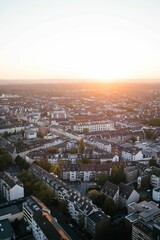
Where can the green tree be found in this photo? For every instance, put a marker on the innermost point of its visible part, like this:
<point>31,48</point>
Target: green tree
<point>133,138</point>
<point>43,163</point>
<point>21,163</point>
<point>81,220</point>
<point>148,133</point>
<point>81,147</point>
<point>6,134</point>
<point>5,161</point>
<point>155,122</point>
<point>33,186</point>
<point>109,207</point>
<point>152,162</point>
<point>101,178</point>
<point>117,174</point>
<point>93,195</point>
<point>97,198</point>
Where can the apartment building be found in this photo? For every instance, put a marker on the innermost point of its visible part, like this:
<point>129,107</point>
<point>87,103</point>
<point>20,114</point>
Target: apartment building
<point>10,189</point>
<point>93,126</point>
<point>43,225</point>
<point>132,154</point>
<point>76,204</point>
<point>143,219</point>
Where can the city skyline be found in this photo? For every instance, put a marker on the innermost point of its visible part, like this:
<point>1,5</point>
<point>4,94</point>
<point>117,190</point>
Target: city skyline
<point>87,40</point>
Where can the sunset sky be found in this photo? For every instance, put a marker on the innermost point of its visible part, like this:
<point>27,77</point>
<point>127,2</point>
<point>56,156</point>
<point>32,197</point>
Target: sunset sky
<point>80,39</point>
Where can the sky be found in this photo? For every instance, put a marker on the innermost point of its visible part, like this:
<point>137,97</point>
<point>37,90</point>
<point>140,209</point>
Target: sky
<point>80,39</point>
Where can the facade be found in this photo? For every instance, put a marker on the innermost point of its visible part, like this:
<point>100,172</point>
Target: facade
<point>156,194</point>
<point>154,180</point>
<point>93,126</point>
<point>96,225</point>
<point>132,154</point>
<point>84,172</point>
<point>131,173</point>
<point>30,134</point>
<point>127,195</point>
<point>10,189</point>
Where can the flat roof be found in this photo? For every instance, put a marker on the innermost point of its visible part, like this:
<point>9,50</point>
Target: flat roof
<point>13,209</point>
<point>132,217</point>
<point>6,230</point>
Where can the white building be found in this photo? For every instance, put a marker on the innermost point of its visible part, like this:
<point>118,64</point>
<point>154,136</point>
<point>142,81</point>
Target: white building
<point>103,145</point>
<point>94,126</point>
<point>10,189</point>
<point>154,180</point>
<point>132,154</point>
<point>30,134</point>
<point>156,194</point>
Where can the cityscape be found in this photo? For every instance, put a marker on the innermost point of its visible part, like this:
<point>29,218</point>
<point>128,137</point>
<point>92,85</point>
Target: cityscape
<point>79,120</point>
<point>80,161</point>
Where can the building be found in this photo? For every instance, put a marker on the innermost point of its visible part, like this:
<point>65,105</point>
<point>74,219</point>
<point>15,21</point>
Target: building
<point>132,154</point>
<point>140,222</point>
<point>11,213</point>
<point>77,205</point>
<point>43,225</point>
<point>30,134</point>
<point>6,230</point>
<point>127,195</point>
<point>156,194</point>
<point>111,190</point>
<point>96,225</point>
<point>10,189</point>
<point>155,180</point>
<point>131,174</point>
<point>93,126</point>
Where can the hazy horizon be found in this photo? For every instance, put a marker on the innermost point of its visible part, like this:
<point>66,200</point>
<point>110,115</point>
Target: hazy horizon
<point>72,81</point>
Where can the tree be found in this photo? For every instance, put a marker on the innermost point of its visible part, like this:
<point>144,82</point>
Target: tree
<point>152,162</point>
<point>85,130</point>
<point>5,161</point>
<point>43,163</point>
<point>63,207</point>
<point>56,169</point>
<point>81,220</point>
<point>6,134</point>
<point>52,150</point>
<point>96,197</point>
<point>21,163</point>
<point>109,207</point>
<point>81,147</point>
<point>101,178</point>
<point>148,133</point>
<point>33,186</point>
<point>93,195</point>
<point>133,138</point>
<point>117,174</point>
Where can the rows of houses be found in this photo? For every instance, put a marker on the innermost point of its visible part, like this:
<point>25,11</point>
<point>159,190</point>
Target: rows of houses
<point>95,221</point>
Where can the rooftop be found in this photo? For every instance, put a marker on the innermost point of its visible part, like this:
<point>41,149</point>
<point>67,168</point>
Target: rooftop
<point>6,230</point>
